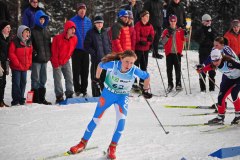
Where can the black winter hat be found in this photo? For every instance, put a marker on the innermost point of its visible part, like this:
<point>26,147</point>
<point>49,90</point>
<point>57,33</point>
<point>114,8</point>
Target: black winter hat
<point>98,19</point>
<point>3,24</point>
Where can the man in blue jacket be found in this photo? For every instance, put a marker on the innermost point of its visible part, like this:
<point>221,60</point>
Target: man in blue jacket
<point>80,58</point>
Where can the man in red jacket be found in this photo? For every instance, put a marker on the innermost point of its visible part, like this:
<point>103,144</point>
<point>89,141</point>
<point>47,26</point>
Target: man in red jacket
<point>173,39</point>
<point>63,46</point>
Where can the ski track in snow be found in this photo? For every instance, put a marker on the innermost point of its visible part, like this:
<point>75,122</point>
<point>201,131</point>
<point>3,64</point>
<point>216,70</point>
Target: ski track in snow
<point>36,131</point>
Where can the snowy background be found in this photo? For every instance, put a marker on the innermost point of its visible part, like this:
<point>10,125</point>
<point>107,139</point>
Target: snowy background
<point>34,132</point>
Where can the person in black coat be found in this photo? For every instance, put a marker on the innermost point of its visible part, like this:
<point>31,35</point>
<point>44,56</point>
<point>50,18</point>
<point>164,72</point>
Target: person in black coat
<point>176,8</point>
<point>155,9</point>
<point>4,12</point>
<point>97,44</point>
<point>41,41</point>
<point>205,36</point>
<point>5,29</point>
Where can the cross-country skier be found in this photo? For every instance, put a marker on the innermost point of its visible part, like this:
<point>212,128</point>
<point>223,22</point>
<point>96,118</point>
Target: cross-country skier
<point>225,60</point>
<point>121,73</point>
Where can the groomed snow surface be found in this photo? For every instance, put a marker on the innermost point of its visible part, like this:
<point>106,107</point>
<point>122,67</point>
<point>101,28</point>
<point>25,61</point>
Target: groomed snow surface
<point>34,132</point>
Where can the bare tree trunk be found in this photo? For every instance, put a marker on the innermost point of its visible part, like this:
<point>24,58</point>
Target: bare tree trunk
<point>19,13</point>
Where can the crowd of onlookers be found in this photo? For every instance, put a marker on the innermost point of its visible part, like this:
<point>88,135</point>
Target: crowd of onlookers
<point>137,28</point>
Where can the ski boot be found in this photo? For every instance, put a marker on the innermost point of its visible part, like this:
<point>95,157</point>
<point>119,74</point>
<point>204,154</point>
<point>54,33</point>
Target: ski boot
<point>79,147</point>
<point>217,121</point>
<point>236,120</point>
<point>111,152</point>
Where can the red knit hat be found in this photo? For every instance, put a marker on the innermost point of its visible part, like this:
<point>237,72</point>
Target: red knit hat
<point>172,18</point>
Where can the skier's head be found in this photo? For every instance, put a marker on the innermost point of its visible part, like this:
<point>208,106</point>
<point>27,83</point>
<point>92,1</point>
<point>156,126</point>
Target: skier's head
<point>172,20</point>
<point>144,14</point>
<point>219,43</point>
<point>123,15</point>
<point>98,22</point>
<point>216,57</point>
<point>5,28</point>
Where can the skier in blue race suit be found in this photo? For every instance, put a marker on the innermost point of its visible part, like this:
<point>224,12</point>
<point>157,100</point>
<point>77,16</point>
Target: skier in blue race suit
<point>224,59</point>
<point>121,73</point>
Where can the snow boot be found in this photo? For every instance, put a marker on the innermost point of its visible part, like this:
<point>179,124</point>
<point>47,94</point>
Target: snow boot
<point>35,95</point>
<point>217,121</point>
<point>112,151</point>
<point>169,89</point>
<point>79,147</point>
<point>42,93</point>
<point>2,104</point>
<point>179,88</point>
<point>59,98</point>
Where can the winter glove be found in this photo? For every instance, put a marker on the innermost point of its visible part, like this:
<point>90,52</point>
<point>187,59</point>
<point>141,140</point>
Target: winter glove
<point>146,94</point>
<point>170,32</point>
<point>96,81</point>
<point>1,71</point>
<point>7,68</point>
<point>149,38</point>
<point>142,43</point>
<point>199,68</point>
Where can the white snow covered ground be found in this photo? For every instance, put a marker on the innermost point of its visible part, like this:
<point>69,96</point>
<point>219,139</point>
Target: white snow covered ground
<point>34,132</point>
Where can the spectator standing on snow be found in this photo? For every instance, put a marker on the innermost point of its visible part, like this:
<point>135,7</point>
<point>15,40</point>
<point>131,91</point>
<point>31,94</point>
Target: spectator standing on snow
<point>155,9</point>
<point>173,39</point>
<point>233,37</point>
<point>144,38</point>
<point>41,41</point>
<point>120,33</point>
<point>62,49</point>
<point>80,58</point>
<point>20,56</point>
<point>29,13</point>
<point>121,74</point>
<point>5,29</point>
<point>205,37</point>
<point>97,44</point>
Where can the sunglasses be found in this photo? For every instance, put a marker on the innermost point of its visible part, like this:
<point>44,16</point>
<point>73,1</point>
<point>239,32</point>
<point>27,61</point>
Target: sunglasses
<point>208,20</point>
<point>173,21</point>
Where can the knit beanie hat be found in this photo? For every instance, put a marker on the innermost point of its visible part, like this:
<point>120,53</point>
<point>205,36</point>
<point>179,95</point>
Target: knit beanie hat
<point>143,13</point>
<point>206,17</point>
<point>172,18</point>
<point>235,23</point>
<point>98,19</point>
<point>130,14</point>
<point>3,24</point>
<point>122,13</point>
<point>80,6</point>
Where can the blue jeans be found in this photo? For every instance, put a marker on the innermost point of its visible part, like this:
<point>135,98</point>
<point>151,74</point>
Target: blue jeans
<point>39,75</point>
<point>57,76</point>
<point>19,80</point>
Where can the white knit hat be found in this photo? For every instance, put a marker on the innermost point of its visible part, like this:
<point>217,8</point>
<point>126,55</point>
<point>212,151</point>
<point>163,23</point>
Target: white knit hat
<point>206,17</point>
<point>216,55</point>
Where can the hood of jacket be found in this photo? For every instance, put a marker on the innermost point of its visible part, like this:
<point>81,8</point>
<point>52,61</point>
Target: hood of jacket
<point>68,25</point>
<point>20,30</point>
<point>39,14</point>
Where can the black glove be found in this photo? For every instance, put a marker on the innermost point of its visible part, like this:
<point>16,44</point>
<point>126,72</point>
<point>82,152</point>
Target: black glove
<point>142,43</point>
<point>199,68</point>
<point>146,94</point>
<point>96,81</point>
<point>186,32</point>
<point>149,38</point>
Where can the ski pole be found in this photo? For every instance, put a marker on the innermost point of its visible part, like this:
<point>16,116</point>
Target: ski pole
<point>209,92</point>
<point>166,132</point>
<point>187,68</point>
<point>179,65</point>
<point>217,86</point>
